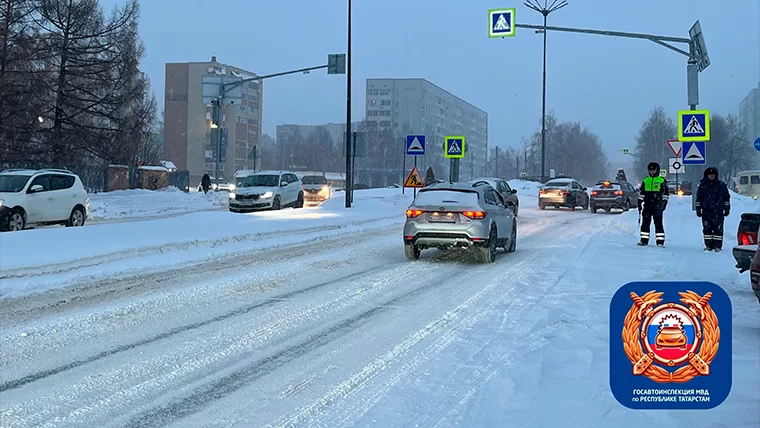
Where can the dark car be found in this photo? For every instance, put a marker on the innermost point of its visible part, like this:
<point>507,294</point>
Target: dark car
<point>609,195</point>
<point>563,192</point>
<point>502,186</point>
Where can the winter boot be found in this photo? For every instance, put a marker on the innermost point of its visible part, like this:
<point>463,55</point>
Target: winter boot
<point>643,243</point>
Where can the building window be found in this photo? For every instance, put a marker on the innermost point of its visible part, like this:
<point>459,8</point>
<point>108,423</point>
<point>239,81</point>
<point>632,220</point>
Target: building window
<point>385,112</point>
<point>385,102</point>
<point>395,124</point>
<point>371,103</point>
<point>253,85</point>
<point>372,92</point>
<point>395,114</point>
<point>386,123</point>
<point>385,92</point>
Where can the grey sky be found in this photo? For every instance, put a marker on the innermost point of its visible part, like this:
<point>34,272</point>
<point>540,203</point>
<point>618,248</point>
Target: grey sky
<point>608,84</point>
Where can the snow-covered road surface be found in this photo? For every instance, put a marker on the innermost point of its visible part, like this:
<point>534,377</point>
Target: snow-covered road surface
<point>348,332</point>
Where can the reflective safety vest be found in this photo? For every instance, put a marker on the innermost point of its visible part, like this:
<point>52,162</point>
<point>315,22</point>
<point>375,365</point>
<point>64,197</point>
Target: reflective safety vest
<point>653,184</point>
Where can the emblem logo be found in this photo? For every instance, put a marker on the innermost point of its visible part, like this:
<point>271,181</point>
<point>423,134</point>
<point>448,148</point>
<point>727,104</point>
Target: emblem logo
<point>670,345</point>
<point>682,336</point>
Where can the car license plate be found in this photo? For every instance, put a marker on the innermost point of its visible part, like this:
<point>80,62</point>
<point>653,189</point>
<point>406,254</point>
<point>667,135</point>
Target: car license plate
<point>442,218</point>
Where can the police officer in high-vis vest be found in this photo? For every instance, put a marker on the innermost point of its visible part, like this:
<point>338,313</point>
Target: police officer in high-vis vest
<point>653,199</point>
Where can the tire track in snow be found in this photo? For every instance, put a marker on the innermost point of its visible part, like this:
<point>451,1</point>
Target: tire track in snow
<point>449,328</point>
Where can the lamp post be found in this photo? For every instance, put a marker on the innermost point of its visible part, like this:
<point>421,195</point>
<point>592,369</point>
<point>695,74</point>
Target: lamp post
<point>349,148</point>
<point>544,10</point>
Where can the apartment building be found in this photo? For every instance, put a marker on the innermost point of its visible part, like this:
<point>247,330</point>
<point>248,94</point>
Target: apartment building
<point>188,124</point>
<point>418,106</point>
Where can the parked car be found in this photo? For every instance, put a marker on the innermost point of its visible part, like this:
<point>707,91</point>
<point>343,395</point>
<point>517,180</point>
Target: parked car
<point>460,215</point>
<point>316,188</point>
<point>563,192</point>
<point>503,187</point>
<point>267,190</point>
<point>42,197</point>
<point>609,195</point>
<point>746,251</point>
<point>749,183</point>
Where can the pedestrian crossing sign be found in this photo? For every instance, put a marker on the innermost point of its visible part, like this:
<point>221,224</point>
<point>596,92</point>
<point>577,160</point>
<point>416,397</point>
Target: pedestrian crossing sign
<point>414,179</point>
<point>454,147</point>
<point>501,22</point>
<point>694,125</point>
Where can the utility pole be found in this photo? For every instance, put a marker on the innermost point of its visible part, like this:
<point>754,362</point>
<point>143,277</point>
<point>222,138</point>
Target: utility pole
<point>349,153</point>
<point>544,10</point>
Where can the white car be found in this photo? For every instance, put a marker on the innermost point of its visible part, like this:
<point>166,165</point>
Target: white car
<point>41,197</point>
<point>267,190</point>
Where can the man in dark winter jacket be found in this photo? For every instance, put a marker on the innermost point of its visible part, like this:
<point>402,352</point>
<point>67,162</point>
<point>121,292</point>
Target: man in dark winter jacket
<point>713,205</point>
<point>653,199</point>
<point>205,182</point>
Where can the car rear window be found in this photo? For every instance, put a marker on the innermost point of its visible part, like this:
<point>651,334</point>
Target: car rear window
<point>438,197</point>
<point>314,179</point>
<point>558,183</point>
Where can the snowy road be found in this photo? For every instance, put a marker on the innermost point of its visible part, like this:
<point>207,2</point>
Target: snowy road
<point>347,333</point>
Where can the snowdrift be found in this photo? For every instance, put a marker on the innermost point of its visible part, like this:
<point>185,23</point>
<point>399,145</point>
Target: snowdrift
<point>140,204</point>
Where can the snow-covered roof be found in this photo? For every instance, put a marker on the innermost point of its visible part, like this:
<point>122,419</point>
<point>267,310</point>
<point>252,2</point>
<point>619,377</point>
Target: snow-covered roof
<point>153,168</point>
<point>169,164</point>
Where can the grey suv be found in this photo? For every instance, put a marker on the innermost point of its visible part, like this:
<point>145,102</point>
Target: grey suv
<point>460,215</point>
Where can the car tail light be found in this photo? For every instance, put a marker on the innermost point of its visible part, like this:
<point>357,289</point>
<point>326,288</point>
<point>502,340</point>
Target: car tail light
<point>680,192</point>
<point>474,215</point>
<point>413,213</point>
<point>562,192</point>
<point>542,192</point>
<point>747,238</point>
<point>618,192</point>
<point>594,193</point>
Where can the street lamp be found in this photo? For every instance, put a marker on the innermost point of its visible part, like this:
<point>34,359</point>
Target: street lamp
<point>349,155</point>
<point>544,10</point>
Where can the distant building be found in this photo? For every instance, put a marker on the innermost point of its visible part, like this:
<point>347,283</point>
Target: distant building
<point>187,121</point>
<point>417,106</point>
<point>749,115</point>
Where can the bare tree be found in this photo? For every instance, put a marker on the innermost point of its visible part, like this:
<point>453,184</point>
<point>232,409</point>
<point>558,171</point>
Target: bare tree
<point>728,148</point>
<point>651,142</point>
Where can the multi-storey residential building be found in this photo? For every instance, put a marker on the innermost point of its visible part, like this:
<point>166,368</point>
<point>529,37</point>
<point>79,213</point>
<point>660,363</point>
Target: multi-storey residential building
<point>188,125</point>
<point>749,115</point>
<point>416,106</point>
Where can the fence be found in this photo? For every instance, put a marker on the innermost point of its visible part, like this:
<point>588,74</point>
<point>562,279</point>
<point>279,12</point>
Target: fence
<point>96,179</point>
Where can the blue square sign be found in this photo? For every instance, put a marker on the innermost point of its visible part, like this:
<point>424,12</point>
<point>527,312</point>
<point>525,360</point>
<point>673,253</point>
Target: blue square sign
<point>693,152</point>
<point>670,345</point>
<point>415,145</point>
<point>694,125</point>
<point>501,22</point>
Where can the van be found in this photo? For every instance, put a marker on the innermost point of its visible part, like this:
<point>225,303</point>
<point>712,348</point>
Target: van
<point>749,183</point>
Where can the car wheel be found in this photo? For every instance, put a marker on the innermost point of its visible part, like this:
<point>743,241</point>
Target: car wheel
<point>513,240</point>
<point>627,205</point>
<point>16,221</point>
<point>276,205</point>
<point>76,218</point>
<point>412,252</point>
<point>541,206</point>
<point>572,206</point>
<point>488,253</point>
<point>299,201</point>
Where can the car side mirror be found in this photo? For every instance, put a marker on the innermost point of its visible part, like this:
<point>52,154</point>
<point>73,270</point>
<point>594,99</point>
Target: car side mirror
<point>585,188</point>
<point>514,191</point>
<point>283,183</point>
<point>36,188</point>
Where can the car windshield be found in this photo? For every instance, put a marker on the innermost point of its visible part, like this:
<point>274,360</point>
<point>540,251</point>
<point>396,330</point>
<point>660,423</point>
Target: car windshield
<point>446,196</point>
<point>558,183</point>
<point>261,180</point>
<point>314,179</point>
<point>13,183</point>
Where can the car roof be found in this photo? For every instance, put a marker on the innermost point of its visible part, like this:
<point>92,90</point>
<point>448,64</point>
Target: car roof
<point>24,171</point>
<point>561,180</point>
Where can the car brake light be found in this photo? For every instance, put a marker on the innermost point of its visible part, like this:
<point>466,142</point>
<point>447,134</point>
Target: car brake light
<point>563,193</point>
<point>594,192</point>
<point>413,213</point>
<point>618,192</point>
<point>542,192</point>
<point>747,238</point>
<point>475,215</point>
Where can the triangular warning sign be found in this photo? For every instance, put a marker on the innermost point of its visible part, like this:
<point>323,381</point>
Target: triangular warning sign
<point>414,179</point>
<point>675,147</point>
<point>694,153</point>
<point>455,148</point>
<point>501,23</point>
<point>694,127</point>
<point>416,146</point>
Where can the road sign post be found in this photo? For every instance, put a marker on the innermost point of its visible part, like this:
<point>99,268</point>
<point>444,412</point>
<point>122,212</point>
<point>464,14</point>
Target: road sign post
<point>454,148</point>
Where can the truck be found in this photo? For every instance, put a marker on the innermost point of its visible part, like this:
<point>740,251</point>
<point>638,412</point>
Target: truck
<point>746,251</point>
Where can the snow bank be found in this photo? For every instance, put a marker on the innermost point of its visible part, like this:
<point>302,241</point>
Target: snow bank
<point>35,260</point>
<point>122,205</point>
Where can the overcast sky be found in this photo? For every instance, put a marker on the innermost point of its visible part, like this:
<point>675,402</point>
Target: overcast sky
<point>609,84</point>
